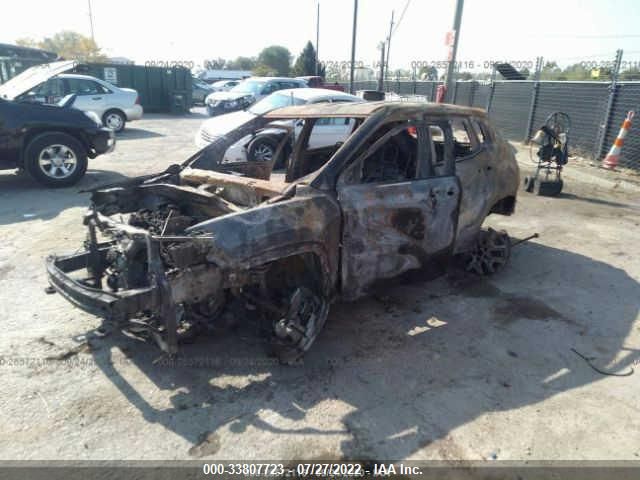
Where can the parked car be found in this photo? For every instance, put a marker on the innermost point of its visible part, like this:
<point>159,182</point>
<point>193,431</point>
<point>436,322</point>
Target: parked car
<point>51,142</point>
<point>247,92</point>
<point>200,90</point>
<point>224,85</point>
<point>262,146</point>
<point>207,242</point>
<point>318,82</point>
<point>48,84</point>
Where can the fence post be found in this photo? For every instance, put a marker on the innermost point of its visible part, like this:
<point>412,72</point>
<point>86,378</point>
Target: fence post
<point>613,90</point>
<point>472,92</point>
<point>534,99</point>
<point>491,89</point>
<point>414,80</point>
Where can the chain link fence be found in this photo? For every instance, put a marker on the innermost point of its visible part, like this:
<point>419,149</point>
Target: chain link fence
<point>519,107</point>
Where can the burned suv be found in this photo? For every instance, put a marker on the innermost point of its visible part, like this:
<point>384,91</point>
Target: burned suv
<point>175,254</point>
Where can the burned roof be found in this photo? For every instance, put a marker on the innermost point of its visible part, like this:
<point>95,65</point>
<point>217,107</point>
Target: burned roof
<point>365,109</point>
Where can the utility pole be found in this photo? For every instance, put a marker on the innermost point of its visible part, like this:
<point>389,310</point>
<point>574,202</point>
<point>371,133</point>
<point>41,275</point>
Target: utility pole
<point>353,45</point>
<point>454,49</point>
<point>91,22</point>
<point>386,64</point>
<point>381,77</point>
<point>318,40</point>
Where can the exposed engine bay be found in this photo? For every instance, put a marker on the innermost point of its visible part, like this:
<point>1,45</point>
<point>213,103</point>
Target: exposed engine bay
<point>158,235</point>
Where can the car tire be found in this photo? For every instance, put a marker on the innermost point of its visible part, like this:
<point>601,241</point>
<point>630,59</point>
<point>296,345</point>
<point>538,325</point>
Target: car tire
<point>262,149</point>
<point>55,159</point>
<point>115,120</point>
<point>210,111</point>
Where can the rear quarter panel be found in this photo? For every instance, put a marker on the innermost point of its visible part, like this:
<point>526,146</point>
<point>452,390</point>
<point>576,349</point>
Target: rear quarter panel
<point>488,177</point>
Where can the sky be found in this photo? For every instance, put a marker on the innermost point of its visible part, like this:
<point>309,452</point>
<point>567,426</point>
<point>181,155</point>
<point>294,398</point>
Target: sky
<point>569,31</point>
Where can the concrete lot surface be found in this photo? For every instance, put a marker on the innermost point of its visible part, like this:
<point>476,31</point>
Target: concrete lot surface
<point>459,368</point>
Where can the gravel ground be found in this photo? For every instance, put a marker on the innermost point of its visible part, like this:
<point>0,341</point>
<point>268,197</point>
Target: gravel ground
<point>458,368</point>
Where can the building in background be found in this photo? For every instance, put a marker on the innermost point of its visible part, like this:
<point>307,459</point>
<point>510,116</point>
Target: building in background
<point>211,76</point>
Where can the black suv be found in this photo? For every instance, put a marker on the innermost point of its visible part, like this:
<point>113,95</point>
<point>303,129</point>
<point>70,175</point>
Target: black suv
<point>51,142</point>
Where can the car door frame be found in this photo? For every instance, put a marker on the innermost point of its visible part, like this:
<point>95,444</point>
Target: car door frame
<point>395,229</point>
<point>331,129</point>
<point>90,102</point>
<point>476,172</point>
<point>5,114</point>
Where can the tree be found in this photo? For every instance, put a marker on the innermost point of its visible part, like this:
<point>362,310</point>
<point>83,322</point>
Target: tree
<point>632,73</point>
<point>215,63</point>
<point>262,70</point>
<point>576,71</point>
<point>242,63</point>
<point>275,58</point>
<point>306,62</point>
<point>550,71</point>
<point>333,72</point>
<point>428,73</point>
<point>69,45</point>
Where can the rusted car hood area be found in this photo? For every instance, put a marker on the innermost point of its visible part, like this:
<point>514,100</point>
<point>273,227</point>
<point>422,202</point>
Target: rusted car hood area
<point>175,206</point>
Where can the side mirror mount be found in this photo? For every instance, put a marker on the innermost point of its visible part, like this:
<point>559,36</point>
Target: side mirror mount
<point>29,97</point>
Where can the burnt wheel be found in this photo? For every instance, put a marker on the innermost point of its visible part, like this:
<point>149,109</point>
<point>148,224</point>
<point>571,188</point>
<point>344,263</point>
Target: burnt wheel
<point>490,254</point>
<point>295,333</point>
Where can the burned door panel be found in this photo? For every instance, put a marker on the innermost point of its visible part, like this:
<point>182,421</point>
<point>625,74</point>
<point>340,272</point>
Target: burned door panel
<point>390,229</point>
<point>474,204</point>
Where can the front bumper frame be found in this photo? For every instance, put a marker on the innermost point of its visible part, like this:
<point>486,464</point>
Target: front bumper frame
<point>115,307</point>
<point>103,141</point>
<point>122,306</point>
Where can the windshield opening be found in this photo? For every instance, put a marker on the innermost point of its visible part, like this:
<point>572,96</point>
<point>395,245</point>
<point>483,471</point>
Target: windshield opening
<point>275,101</point>
<point>251,86</point>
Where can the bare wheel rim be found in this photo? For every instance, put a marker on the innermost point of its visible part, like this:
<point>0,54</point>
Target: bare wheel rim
<point>263,152</point>
<point>304,321</point>
<point>57,161</point>
<point>490,254</point>
<point>114,121</point>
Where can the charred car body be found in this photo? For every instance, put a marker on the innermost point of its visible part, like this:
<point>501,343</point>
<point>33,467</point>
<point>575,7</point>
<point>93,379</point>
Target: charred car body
<point>173,254</point>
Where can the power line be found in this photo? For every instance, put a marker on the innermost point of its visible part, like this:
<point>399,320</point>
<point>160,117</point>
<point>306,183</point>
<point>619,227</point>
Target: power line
<point>406,5</point>
<point>622,35</point>
<point>595,55</point>
<point>91,21</point>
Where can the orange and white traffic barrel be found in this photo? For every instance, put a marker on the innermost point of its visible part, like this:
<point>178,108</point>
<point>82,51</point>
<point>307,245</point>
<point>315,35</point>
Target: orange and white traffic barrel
<point>611,160</point>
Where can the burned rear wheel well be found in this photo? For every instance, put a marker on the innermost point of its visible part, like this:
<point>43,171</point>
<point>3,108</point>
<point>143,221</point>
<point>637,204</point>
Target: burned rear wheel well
<point>504,206</point>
